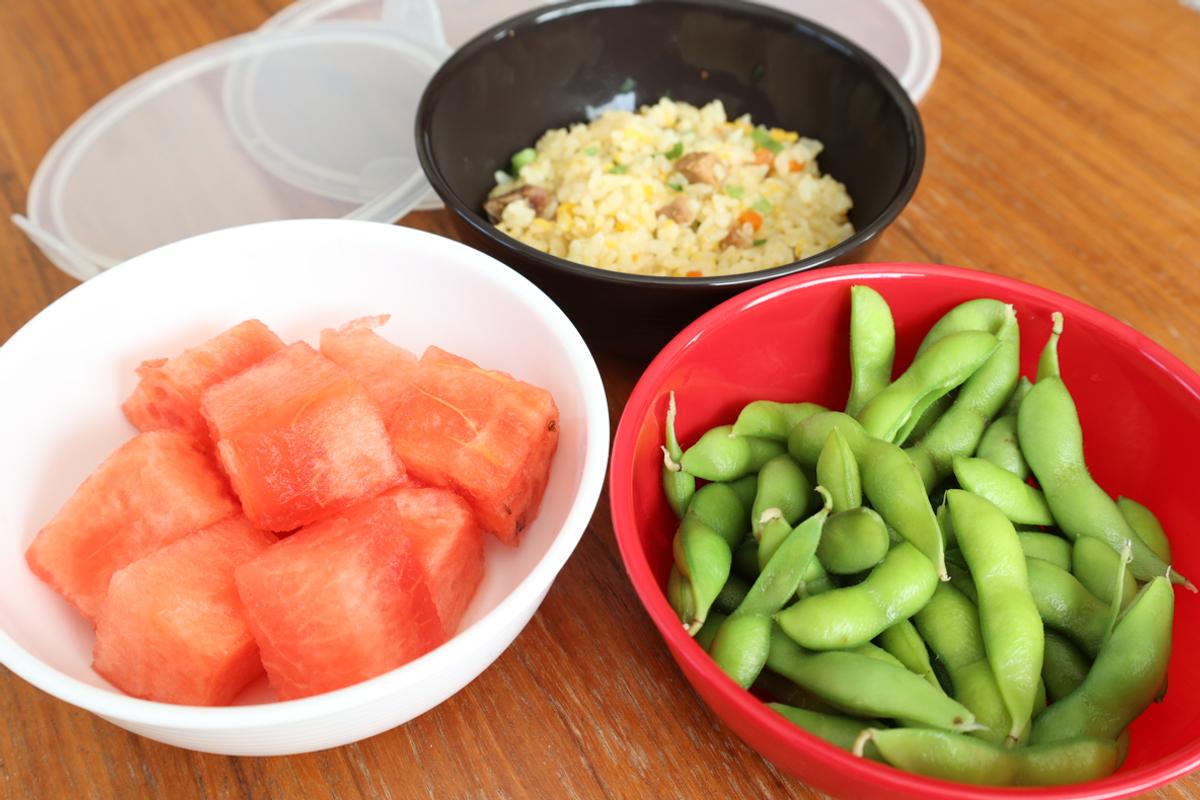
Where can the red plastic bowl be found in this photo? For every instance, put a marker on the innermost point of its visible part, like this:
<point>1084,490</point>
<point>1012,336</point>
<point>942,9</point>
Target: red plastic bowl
<point>788,340</point>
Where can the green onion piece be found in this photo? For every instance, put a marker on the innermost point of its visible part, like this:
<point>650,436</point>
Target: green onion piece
<point>619,169</point>
<point>591,151</point>
<point>523,158</point>
<point>675,152</point>
<point>627,85</point>
<point>761,206</point>
<point>762,137</point>
<point>675,187</point>
<point>759,242</point>
<point>734,191</point>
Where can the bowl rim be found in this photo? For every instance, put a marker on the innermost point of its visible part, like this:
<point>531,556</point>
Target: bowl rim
<point>914,137</point>
<point>685,649</point>
<point>110,702</point>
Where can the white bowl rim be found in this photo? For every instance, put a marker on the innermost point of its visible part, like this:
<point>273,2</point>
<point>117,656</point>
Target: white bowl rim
<point>528,593</point>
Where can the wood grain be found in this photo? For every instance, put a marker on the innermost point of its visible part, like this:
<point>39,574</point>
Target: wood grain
<point>1064,149</point>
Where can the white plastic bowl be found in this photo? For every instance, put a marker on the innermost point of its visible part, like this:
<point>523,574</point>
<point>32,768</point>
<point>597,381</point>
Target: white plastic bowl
<point>66,372</point>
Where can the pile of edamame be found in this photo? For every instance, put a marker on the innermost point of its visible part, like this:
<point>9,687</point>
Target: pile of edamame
<point>930,578</point>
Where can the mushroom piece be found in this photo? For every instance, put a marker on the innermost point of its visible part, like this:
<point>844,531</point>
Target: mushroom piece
<point>738,236</point>
<point>680,209</point>
<point>537,197</point>
<point>701,168</point>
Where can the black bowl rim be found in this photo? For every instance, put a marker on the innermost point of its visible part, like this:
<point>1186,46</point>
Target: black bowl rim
<point>530,19</point>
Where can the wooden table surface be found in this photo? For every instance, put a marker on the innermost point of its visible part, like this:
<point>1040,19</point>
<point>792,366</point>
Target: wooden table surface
<point>1063,148</point>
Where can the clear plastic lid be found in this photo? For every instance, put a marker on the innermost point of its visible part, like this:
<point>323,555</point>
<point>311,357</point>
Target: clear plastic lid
<point>311,122</point>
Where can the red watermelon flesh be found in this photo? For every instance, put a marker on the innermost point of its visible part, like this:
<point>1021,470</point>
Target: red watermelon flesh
<point>385,370</point>
<point>168,393</point>
<point>446,538</point>
<point>156,488</point>
<point>300,439</point>
<point>337,603</point>
<point>481,433</point>
<point>172,628</point>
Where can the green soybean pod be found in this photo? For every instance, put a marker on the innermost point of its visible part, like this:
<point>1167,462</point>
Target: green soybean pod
<point>783,493</point>
<point>814,581</point>
<point>854,615</point>
<point>732,594</point>
<point>1048,360</point>
<point>914,431</point>
<point>853,541</point>
<point>1064,666</point>
<point>703,560</point>
<point>768,419</point>
<point>679,596</point>
<point>770,536</point>
<point>678,486</point>
<point>1019,501</point>
<point>893,485</point>
<point>780,577</point>
<point>1046,546</point>
<point>949,624</point>
<point>1124,679</point>
<point>960,579</point>
<point>1146,526</point>
<point>745,488</point>
<point>942,368</point>
<point>808,438</point>
<point>1008,617</point>
<point>1014,401</point>
<point>718,506</point>
<point>959,430</point>
<point>872,346</point>
<point>938,754</point>
<point>708,631</point>
<point>1066,606</point>
<point>718,455</point>
<point>1052,441</point>
<point>903,642</point>
<point>1101,571</point>
<point>838,730</point>
<point>999,446</point>
<point>740,647</point>
<point>837,471</point>
<point>866,686</point>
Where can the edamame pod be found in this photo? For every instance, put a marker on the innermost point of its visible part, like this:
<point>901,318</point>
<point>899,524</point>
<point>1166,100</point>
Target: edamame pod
<point>959,430</point>
<point>872,346</point>
<point>720,456</point>
<point>1063,667</point>
<point>1008,617</point>
<point>1019,501</point>
<point>783,493</point>
<point>1146,526</point>
<point>770,420</point>
<point>702,559</point>
<point>740,647</point>
<point>853,541</point>
<point>838,730</point>
<point>866,686</point>
<point>999,446</point>
<point>808,438</point>
<point>966,760</point>
<point>894,487</point>
<point>1051,439</point>
<point>708,631</point>
<point>1101,571</point>
<point>1127,675</point>
<point>850,616</point>
<point>718,506</point>
<point>837,471</point>
<point>943,367</point>
<point>814,581</point>
<point>903,642</point>
<point>1047,547</point>
<point>1014,401</point>
<point>1048,360</point>
<point>679,595</point>
<point>1066,606</point>
<point>781,575</point>
<point>745,488</point>
<point>678,486</point>
<point>949,623</point>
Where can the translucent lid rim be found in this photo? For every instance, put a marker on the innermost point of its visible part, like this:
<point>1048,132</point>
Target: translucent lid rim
<point>47,184</point>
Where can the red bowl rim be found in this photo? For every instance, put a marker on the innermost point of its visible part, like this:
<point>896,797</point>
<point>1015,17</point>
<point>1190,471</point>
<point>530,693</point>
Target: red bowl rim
<point>1121,784</point>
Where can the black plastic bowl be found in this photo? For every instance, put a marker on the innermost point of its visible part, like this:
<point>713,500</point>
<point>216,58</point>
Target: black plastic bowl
<point>560,64</point>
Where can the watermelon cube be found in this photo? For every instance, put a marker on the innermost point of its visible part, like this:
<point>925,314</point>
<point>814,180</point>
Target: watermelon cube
<point>385,370</point>
<point>168,393</point>
<point>483,434</point>
<point>300,439</point>
<point>172,627</point>
<point>156,488</point>
<point>447,540</point>
<point>338,602</point>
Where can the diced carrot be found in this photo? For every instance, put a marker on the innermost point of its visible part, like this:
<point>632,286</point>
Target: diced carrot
<point>762,155</point>
<point>693,273</point>
<point>752,218</point>
<point>795,166</point>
